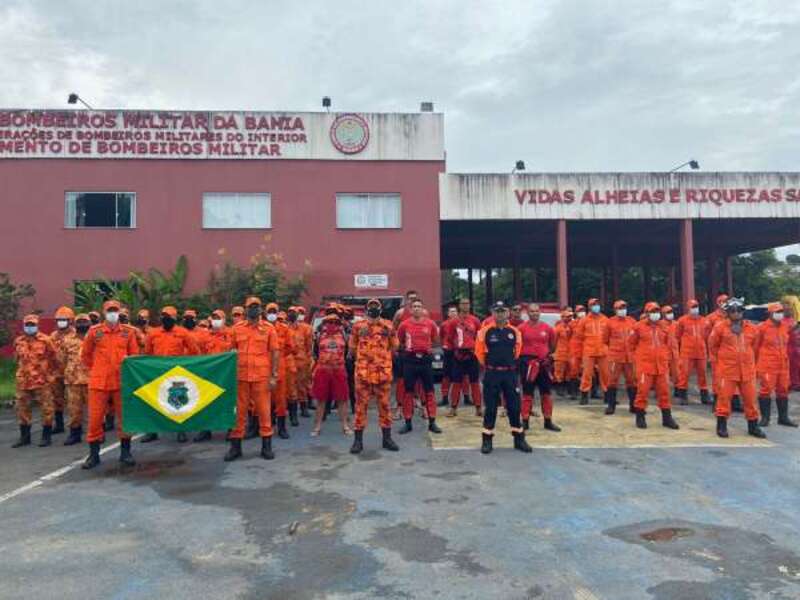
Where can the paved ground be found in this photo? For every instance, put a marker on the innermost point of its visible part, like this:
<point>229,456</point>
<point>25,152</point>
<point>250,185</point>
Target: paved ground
<point>695,522</point>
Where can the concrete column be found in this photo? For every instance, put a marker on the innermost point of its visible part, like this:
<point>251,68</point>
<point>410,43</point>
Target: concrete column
<point>687,261</point>
<point>729,275</point>
<point>561,263</point>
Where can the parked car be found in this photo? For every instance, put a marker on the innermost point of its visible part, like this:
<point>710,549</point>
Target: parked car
<point>756,312</point>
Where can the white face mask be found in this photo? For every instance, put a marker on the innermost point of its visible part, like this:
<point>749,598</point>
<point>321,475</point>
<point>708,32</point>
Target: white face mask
<point>62,323</point>
<point>301,317</point>
<point>655,317</point>
<point>525,317</point>
<point>669,316</point>
<point>272,317</point>
<point>216,323</point>
<point>30,329</point>
<point>694,311</point>
<point>778,316</point>
<point>622,312</point>
<point>112,317</point>
<point>580,315</point>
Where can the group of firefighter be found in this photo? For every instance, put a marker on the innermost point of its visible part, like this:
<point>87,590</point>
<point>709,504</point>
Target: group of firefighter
<point>284,366</point>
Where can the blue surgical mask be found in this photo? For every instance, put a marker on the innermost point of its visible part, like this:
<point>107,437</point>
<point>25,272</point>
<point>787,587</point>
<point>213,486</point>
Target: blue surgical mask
<point>30,329</point>
<point>595,308</point>
<point>622,312</point>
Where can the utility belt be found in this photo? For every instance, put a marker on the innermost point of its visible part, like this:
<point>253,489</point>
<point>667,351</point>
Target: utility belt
<point>419,357</point>
<point>464,355</point>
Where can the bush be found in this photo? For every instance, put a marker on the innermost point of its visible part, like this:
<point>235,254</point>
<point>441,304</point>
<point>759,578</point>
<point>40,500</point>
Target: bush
<point>11,296</point>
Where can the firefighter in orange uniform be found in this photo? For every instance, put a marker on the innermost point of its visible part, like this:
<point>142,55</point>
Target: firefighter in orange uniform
<point>64,328</point>
<point>715,317</point>
<point>691,333</point>
<point>285,364</point>
<point>306,379</point>
<point>372,343</point>
<point>259,354</point>
<point>772,366</point>
<point>76,377</point>
<point>562,332</point>
<point>592,330</point>
<point>200,335</point>
<point>104,348</point>
<point>291,370</point>
<point>575,352</point>
<point>217,339</point>
<point>620,356</point>
<point>36,360</point>
<point>668,322</point>
<point>732,349</point>
<point>303,339</point>
<point>169,340</point>
<point>237,315</point>
<point>651,343</point>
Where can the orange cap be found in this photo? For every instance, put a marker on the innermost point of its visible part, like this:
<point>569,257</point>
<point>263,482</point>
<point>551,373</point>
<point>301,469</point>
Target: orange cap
<point>111,304</point>
<point>272,306</point>
<point>31,319</point>
<point>237,311</point>
<point>620,304</point>
<point>81,317</point>
<point>190,312</point>
<point>651,307</point>
<point>252,300</point>
<point>65,312</point>
<point>774,307</point>
<point>692,303</point>
<point>170,311</point>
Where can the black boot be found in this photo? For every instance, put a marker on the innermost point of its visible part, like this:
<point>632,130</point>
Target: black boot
<point>358,442</point>
<point>611,401</point>
<point>108,423</point>
<point>550,426</point>
<point>667,420</point>
<point>722,427</point>
<point>293,415</point>
<point>754,430</point>
<point>631,399</point>
<point>58,426</point>
<point>704,398</point>
<point>74,436</point>
<point>266,448</point>
<point>282,433</point>
<point>526,424</point>
<point>304,410</point>
<point>783,412</point>
<point>234,450</point>
<point>714,403</point>
<point>182,438</point>
<point>683,396</point>
<point>203,436</point>
<point>736,403</point>
<point>486,446</point>
<point>573,389</point>
<point>125,456</point>
<point>765,406</point>
<point>94,456</point>
<point>47,431</point>
<point>252,427</point>
<point>641,420</point>
<point>407,428</point>
<point>388,442</point>
<point>584,398</point>
<point>520,443</point>
<point>433,427</point>
<point>24,437</point>
<point>148,437</point>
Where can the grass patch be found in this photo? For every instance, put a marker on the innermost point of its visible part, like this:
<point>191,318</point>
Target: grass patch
<point>8,369</point>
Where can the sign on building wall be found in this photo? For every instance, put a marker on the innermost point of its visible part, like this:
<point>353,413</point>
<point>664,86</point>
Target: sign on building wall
<point>220,135</point>
<point>378,281</point>
<point>577,196</point>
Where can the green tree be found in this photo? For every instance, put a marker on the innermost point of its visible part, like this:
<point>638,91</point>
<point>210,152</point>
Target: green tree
<point>753,276</point>
<point>11,297</point>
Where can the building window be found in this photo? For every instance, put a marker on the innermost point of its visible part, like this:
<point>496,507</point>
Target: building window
<point>368,211</point>
<point>100,209</point>
<point>237,211</point>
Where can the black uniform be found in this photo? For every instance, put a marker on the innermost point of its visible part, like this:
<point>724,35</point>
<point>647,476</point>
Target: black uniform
<point>502,346</point>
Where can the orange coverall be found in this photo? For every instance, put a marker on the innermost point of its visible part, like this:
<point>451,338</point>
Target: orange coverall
<point>286,369</point>
<point>303,347</point>
<point>175,342</point>
<point>575,350</point>
<point>591,332</point>
<point>772,359</point>
<point>372,344</point>
<point>691,333</point>
<point>671,327</point>
<point>620,353</point>
<point>561,355</point>
<point>104,348</point>
<point>256,344</point>
<point>76,378</point>
<point>36,360</point>
<point>734,357</point>
<point>712,319</point>
<point>650,342</point>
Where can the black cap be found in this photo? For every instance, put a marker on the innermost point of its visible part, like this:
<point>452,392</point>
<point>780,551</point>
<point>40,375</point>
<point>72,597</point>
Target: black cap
<point>499,306</point>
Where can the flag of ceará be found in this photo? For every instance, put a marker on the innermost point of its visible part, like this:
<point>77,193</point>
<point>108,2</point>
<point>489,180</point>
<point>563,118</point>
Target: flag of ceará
<point>179,393</point>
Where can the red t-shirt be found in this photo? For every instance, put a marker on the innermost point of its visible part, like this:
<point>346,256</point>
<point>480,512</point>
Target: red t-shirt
<point>464,333</point>
<point>445,331</point>
<point>537,339</point>
<point>417,336</point>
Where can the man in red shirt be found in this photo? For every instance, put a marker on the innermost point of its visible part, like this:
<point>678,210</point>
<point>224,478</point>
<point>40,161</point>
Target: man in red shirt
<point>461,338</point>
<point>447,370</point>
<point>535,365</point>
<point>403,313</point>
<point>417,336</point>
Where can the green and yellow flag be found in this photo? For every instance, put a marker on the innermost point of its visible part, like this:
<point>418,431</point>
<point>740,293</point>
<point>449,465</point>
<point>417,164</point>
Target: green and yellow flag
<point>179,393</point>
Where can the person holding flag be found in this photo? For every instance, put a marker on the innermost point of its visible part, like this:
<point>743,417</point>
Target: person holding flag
<point>218,340</point>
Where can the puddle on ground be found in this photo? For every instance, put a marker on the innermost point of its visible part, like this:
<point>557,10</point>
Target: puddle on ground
<point>666,534</point>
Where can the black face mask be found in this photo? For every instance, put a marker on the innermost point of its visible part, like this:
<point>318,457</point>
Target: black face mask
<point>189,323</point>
<point>292,317</point>
<point>373,313</point>
<point>253,312</point>
<point>124,320</point>
<point>82,327</point>
<point>95,320</point>
<point>167,322</point>
<point>141,322</point>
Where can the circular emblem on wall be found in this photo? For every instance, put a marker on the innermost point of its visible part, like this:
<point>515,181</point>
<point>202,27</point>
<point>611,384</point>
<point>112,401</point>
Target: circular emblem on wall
<point>178,395</point>
<point>349,133</point>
